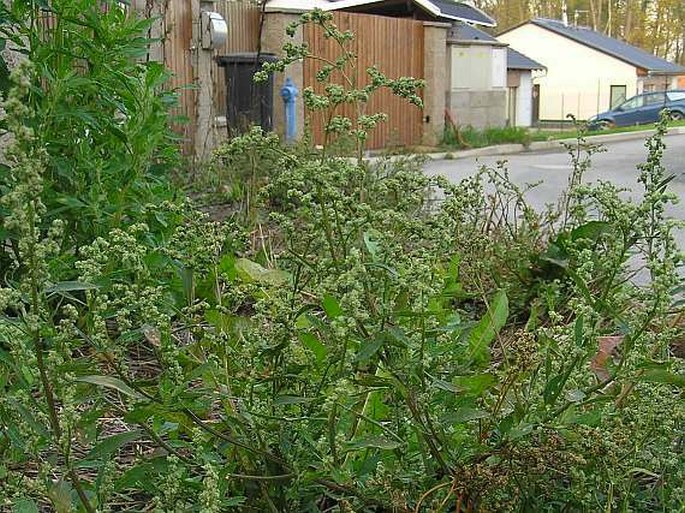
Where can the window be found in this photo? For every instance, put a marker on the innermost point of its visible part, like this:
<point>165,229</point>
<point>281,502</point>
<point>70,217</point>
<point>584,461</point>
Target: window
<point>634,103</point>
<point>617,95</point>
<point>655,99</point>
<point>675,96</point>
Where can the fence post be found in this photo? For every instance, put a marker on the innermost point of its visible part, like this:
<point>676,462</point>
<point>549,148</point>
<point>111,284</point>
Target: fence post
<point>437,81</point>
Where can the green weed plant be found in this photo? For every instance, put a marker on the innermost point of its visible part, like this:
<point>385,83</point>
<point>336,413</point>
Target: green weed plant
<point>403,345</point>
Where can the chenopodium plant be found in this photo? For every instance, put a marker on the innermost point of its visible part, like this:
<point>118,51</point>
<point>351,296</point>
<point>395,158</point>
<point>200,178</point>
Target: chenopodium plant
<point>38,408</point>
<point>399,377</point>
<point>67,374</point>
<point>102,113</point>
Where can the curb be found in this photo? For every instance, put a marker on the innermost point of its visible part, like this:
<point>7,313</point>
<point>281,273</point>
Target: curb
<point>513,149</point>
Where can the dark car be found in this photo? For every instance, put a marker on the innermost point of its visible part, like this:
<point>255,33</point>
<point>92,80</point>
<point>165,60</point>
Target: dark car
<point>640,109</point>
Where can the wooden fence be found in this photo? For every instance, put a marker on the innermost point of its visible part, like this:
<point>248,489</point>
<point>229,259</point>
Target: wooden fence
<point>178,50</point>
<point>396,47</point>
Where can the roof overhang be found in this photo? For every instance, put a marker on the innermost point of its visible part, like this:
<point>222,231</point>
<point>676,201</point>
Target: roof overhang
<point>302,6</point>
<point>674,73</point>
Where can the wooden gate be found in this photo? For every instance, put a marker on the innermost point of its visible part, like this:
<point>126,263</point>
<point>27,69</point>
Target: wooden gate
<point>396,47</point>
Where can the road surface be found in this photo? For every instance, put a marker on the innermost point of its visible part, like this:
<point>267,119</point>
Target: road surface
<point>617,164</point>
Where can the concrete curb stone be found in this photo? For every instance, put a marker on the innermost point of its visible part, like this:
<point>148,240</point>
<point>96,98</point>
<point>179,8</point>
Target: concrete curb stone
<point>513,149</point>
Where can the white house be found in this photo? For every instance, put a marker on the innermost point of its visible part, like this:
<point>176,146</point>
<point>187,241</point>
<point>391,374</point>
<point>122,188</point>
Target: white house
<point>587,72</point>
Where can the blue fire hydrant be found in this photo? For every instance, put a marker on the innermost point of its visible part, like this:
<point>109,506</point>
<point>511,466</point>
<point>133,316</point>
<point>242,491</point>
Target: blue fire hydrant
<point>289,94</point>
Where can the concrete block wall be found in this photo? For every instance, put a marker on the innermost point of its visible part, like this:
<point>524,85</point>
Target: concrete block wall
<point>479,109</point>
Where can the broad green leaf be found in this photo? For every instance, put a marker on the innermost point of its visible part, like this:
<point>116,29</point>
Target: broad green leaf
<point>578,331</point>
<point>312,343</point>
<point>474,385</point>
<point>368,349</point>
<point>331,307</point>
<point>465,414</point>
<point>371,246</point>
<point>112,444</point>
<point>444,385</point>
<point>25,506</point>
<point>591,230</point>
<point>137,475</point>
<point>483,334</point>
<point>109,382</point>
<point>234,501</point>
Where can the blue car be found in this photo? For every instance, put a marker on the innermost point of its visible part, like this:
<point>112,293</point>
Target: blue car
<point>641,109</point>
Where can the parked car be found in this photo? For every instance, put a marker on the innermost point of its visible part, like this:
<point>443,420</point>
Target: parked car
<point>641,109</point>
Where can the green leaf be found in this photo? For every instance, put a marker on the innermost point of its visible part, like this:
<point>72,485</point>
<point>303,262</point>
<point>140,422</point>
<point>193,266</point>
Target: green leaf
<point>465,414</point>
<point>69,286</point>
<point>60,496</point>
<point>445,385</point>
<point>110,382</point>
<point>375,442</point>
<point>134,476</point>
<point>331,307</point>
<point>283,400</point>
<point>112,444</point>
<point>663,376</point>
<point>483,334</point>
<point>578,331</point>
<point>25,506</point>
<point>314,345</point>
<point>591,230</point>
<point>371,246</point>
<point>474,385</point>
<point>252,272</point>
<point>368,349</point>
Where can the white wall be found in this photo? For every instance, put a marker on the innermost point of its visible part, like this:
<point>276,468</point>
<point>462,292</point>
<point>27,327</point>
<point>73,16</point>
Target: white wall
<point>524,102</point>
<point>477,67</point>
<point>578,78</point>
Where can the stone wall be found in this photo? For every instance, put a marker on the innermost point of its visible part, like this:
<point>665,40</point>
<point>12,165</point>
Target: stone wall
<point>479,109</point>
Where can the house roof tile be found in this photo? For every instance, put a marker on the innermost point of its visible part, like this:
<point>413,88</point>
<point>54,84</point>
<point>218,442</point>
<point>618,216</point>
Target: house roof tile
<point>516,60</point>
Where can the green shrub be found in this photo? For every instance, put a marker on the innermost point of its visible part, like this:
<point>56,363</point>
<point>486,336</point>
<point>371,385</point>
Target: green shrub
<point>405,344</point>
<point>99,111</point>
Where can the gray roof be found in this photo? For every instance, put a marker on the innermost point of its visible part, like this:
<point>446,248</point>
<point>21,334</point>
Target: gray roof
<point>463,11</point>
<point>610,46</point>
<point>465,32</point>
<point>516,60</point>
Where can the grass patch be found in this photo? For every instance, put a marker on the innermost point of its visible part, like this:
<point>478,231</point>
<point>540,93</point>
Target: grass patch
<point>469,137</point>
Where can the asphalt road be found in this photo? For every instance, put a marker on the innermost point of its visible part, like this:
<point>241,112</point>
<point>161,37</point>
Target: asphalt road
<point>617,164</point>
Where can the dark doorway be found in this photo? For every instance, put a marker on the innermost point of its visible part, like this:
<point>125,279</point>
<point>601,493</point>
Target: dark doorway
<point>536,104</point>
